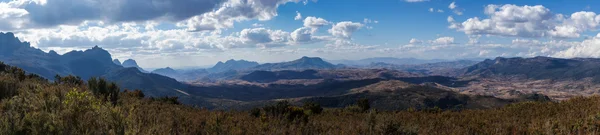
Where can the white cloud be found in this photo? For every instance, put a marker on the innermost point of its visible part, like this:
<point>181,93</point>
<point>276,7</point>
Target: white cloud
<point>415,41</point>
<point>44,13</point>
<point>455,9</point>
<point>528,21</point>
<point>303,34</point>
<point>452,5</point>
<point>450,19</point>
<point>314,22</point>
<point>367,21</point>
<point>587,48</point>
<point>443,41</point>
<point>298,16</point>
<point>434,10</point>
<point>345,29</point>
<point>234,11</point>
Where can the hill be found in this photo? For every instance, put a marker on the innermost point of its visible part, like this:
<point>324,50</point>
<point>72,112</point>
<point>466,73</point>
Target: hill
<point>168,71</point>
<point>537,68</point>
<point>132,63</point>
<point>398,95</point>
<point>232,65</point>
<point>299,64</point>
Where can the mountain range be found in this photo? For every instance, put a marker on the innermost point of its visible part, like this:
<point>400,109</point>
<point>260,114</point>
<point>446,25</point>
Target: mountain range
<point>94,62</point>
<point>234,68</point>
<point>299,64</point>
<point>389,60</point>
<point>236,83</point>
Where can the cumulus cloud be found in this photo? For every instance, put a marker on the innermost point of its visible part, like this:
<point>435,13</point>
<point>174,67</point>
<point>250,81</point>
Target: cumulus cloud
<point>588,48</point>
<point>12,17</point>
<point>527,21</point>
<point>234,11</point>
<point>415,41</point>
<point>452,5</point>
<point>195,15</point>
<point>314,22</point>
<point>298,16</point>
<point>264,37</point>
<point>443,41</point>
<point>345,29</point>
<point>58,12</point>
<point>135,38</point>
<point>440,48</point>
<point>455,9</point>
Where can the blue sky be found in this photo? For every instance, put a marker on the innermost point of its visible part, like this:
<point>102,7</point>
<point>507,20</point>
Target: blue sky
<point>184,33</point>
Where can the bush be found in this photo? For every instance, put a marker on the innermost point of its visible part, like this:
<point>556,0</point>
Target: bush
<point>8,88</point>
<point>168,100</point>
<point>364,104</point>
<point>312,108</point>
<point>255,112</point>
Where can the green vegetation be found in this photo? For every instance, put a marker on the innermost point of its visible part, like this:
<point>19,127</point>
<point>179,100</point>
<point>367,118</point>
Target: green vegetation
<point>32,105</point>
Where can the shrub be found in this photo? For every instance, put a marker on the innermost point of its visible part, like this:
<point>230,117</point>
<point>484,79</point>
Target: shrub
<point>364,104</point>
<point>168,100</point>
<point>312,108</point>
<point>255,112</point>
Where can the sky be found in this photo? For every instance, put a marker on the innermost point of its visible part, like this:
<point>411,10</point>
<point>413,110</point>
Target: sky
<point>189,33</point>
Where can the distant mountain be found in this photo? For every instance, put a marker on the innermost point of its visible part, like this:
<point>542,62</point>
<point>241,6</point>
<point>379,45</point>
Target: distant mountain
<point>94,62</point>
<point>232,65</point>
<point>299,64</point>
<point>168,71</point>
<point>88,63</point>
<point>269,76</point>
<point>389,60</point>
<point>131,78</point>
<point>182,75</point>
<point>132,63</point>
<point>537,68</point>
<point>447,68</point>
<point>398,95</point>
<point>116,61</point>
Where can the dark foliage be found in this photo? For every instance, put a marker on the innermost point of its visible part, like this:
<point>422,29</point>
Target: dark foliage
<point>364,104</point>
<point>168,100</point>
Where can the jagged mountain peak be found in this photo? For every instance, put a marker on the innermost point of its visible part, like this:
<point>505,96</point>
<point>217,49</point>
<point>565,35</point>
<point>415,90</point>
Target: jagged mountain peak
<point>116,61</point>
<point>9,43</point>
<point>130,63</point>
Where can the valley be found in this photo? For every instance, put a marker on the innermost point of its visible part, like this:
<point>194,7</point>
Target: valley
<point>242,84</point>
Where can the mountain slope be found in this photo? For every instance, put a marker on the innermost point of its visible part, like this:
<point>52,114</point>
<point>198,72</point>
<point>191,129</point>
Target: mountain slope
<point>232,65</point>
<point>132,63</point>
<point>537,68</point>
<point>95,62</point>
<point>395,95</point>
<point>299,64</point>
